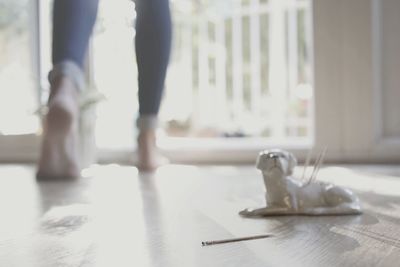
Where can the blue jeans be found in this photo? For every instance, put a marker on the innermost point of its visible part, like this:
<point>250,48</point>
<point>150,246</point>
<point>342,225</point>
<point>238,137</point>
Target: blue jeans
<point>73,22</point>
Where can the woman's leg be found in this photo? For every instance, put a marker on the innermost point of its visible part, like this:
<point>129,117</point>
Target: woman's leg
<point>73,22</point>
<point>153,45</point>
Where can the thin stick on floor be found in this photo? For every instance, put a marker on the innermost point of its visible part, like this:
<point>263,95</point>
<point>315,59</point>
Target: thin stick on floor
<point>216,242</point>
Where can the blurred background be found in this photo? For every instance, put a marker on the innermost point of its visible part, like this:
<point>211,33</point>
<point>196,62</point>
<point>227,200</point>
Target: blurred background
<point>245,75</point>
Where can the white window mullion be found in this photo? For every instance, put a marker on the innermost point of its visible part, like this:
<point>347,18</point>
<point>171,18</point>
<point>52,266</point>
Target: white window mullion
<point>237,61</point>
<point>204,83</point>
<point>309,41</point>
<point>277,68</point>
<point>293,49</point>
<point>255,58</point>
<point>221,70</point>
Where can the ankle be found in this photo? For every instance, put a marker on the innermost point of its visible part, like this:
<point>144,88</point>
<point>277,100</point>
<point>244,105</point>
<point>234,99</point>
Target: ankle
<point>146,137</point>
<point>63,85</point>
<point>149,133</point>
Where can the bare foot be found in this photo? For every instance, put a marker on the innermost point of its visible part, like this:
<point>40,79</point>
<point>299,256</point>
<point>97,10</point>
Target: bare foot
<point>149,156</point>
<point>59,155</point>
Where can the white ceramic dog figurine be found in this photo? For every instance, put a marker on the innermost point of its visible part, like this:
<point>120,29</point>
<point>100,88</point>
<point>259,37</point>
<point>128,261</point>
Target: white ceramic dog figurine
<point>286,195</point>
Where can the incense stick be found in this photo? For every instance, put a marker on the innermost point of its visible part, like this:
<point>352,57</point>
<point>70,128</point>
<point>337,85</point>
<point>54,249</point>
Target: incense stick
<point>318,164</point>
<point>215,242</point>
<point>308,159</point>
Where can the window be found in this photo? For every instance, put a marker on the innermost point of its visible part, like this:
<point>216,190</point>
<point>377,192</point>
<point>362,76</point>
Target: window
<point>18,89</point>
<point>239,69</point>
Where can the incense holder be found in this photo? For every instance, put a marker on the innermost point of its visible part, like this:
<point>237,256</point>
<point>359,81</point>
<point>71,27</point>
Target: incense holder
<point>288,195</point>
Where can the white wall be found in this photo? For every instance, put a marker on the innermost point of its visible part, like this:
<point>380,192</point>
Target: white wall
<point>390,71</point>
<point>357,111</point>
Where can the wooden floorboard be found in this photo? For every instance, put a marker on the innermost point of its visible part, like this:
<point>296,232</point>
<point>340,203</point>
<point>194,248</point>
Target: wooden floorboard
<point>114,216</point>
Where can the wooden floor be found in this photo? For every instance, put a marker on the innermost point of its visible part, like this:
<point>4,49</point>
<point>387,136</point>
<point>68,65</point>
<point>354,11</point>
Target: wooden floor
<point>114,216</point>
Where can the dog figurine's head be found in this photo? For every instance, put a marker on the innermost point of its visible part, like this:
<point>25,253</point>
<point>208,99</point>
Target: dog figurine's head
<point>276,159</point>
